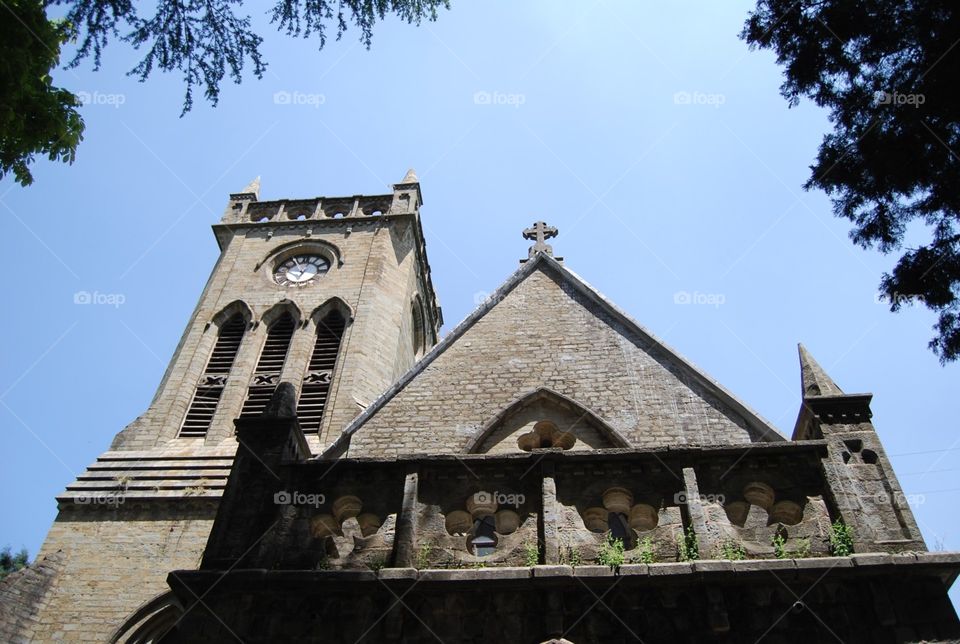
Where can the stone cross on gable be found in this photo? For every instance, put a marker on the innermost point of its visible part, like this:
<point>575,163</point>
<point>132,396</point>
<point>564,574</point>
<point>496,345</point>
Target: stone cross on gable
<point>540,232</point>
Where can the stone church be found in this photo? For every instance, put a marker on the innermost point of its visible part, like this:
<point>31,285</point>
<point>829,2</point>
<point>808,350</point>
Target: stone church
<point>318,465</point>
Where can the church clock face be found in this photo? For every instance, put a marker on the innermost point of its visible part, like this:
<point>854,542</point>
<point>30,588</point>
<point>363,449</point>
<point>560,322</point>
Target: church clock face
<point>299,270</point>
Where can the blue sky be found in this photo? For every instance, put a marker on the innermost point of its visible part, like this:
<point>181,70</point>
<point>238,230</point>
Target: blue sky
<point>646,132</point>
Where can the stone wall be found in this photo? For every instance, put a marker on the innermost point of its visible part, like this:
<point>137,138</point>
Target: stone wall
<point>543,333</point>
<point>114,560</point>
<point>856,601</point>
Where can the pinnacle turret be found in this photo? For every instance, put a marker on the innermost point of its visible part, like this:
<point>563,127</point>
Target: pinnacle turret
<point>814,381</point>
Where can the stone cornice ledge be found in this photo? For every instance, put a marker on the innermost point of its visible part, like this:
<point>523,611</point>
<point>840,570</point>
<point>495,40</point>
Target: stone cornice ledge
<point>945,565</point>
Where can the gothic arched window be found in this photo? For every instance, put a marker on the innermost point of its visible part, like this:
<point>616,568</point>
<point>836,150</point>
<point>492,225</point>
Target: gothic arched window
<point>417,328</point>
<point>214,378</point>
<point>267,374</point>
<point>316,383</point>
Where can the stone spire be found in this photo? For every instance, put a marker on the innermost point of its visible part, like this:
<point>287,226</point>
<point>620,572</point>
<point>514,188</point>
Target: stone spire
<point>410,177</point>
<point>253,188</point>
<point>540,232</point>
<point>814,381</point>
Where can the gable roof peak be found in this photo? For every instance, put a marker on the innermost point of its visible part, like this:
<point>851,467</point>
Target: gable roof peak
<point>760,428</point>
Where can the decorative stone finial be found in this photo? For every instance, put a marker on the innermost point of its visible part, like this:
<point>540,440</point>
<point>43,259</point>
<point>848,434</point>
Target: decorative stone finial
<point>813,379</point>
<point>283,402</point>
<point>410,177</point>
<point>540,232</point>
<point>253,188</point>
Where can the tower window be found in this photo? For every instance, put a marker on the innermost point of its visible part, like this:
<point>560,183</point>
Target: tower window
<point>417,327</point>
<point>316,384</point>
<point>267,374</point>
<point>206,398</point>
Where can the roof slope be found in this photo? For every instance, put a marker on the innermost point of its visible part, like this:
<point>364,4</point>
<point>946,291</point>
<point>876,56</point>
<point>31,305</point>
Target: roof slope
<point>546,327</point>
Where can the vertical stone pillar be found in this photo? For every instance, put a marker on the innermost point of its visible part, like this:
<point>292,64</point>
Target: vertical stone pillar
<point>707,540</point>
<point>251,505</point>
<point>549,517</point>
<point>405,548</point>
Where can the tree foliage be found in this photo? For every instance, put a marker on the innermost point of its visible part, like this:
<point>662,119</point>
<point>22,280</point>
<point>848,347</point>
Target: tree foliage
<point>36,118</point>
<point>204,40</point>
<point>888,72</point>
<point>12,562</point>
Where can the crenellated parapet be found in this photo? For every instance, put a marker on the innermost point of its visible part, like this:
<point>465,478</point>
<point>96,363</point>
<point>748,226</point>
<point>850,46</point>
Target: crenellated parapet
<point>246,208</point>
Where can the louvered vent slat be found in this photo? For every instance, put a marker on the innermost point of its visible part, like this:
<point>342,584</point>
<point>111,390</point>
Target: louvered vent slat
<point>313,395</point>
<point>272,357</point>
<point>205,398</point>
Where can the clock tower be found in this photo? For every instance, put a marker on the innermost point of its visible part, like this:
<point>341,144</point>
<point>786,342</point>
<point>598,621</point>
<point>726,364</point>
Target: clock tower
<point>331,294</point>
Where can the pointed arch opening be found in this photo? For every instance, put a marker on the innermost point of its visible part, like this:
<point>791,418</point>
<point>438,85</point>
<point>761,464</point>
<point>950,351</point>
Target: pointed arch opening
<point>418,327</point>
<point>545,419</point>
<point>149,623</point>
<point>315,390</point>
<point>273,355</point>
<point>206,397</point>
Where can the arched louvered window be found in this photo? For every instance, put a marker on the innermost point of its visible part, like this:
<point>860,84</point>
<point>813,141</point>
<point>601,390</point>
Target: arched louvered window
<point>214,378</point>
<point>316,384</point>
<point>267,374</point>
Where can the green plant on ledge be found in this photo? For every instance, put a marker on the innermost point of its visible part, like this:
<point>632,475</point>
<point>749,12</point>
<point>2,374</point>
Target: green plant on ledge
<point>779,546</point>
<point>423,556</point>
<point>377,564</point>
<point>688,548</point>
<point>611,553</point>
<point>645,552</point>
<point>731,551</point>
<point>841,539</point>
<point>531,554</point>
<point>571,556</point>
